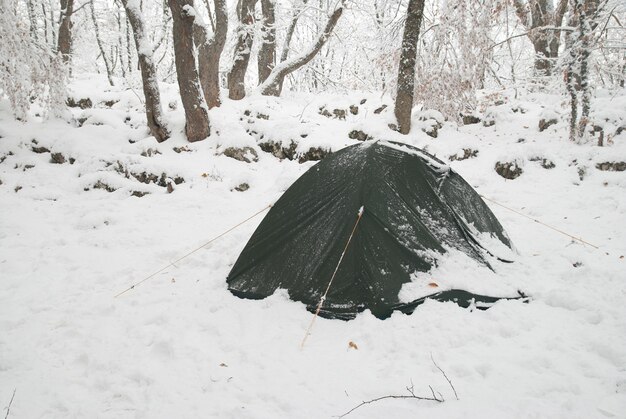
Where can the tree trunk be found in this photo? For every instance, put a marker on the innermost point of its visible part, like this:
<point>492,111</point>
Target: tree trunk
<point>196,113</point>
<point>273,84</point>
<point>267,51</point>
<point>107,65</point>
<point>537,16</point>
<point>406,69</point>
<point>148,72</point>
<point>555,36</point>
<point>64,44</point>
<point>32,18</point>
<point>237,74</point>
<point>290,30</point>
<point>209,52</point>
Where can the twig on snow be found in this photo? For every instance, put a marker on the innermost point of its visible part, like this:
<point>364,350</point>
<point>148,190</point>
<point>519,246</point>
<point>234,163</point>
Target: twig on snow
<point>411,395</point>
<point>444,374</point>
<point>10,403</point>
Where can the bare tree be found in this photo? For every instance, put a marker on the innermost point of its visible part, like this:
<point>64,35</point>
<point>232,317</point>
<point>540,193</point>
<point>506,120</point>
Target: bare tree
<point>297,11</point>
<point>406,68</point>
<point>274,82</point>
<point>543,25</point>
<point>237,74</point>
<point>209,52</point>
<point>196,112</point>
<point>64,44</point>
<point>107,65</point>
<point>148,71</point>
<point>267,51</point>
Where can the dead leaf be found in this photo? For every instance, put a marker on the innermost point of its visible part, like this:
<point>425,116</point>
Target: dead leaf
<point>205,175</point>
<point>352,345</point>
<point>433,285</point>
<point>223,365</point>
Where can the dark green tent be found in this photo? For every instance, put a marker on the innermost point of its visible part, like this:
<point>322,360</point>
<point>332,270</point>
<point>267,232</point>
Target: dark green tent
<point>414,206</point>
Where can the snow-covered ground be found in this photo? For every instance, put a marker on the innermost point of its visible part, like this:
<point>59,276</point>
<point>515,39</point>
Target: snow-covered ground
<point>181,346</point>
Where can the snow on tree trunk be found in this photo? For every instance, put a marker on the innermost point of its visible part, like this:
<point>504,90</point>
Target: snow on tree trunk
<point>406,68</point>
<point>148,71</point>
<point>103,53</point>
<point>274,82</point>
<point>267,50</point>
<point>64,43</point>
<point>237,74</point>
<point>541,20</point>
<point>210,47</point>
<point>196,112</point>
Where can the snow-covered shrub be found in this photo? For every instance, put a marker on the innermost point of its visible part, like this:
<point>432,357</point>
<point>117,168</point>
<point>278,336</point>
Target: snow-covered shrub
<point>454,50</point>
<point>29,70</point>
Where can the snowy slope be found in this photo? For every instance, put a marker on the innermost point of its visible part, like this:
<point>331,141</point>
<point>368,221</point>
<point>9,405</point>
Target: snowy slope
<point>180,345</point>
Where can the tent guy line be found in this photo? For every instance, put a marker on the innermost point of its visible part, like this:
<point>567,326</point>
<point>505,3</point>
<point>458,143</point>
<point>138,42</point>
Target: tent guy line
<point>194,251</point>
<point>542,223</point>
<point>319,305</point>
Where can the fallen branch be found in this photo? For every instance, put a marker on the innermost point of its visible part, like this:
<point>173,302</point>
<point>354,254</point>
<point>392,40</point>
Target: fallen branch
<point>445,376</point>
<point>411,395</point>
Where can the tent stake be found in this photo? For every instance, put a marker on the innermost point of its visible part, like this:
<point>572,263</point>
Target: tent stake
<point>319,305</point>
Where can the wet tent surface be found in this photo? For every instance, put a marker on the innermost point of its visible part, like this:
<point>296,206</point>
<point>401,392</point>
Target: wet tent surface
<point>414,208</point>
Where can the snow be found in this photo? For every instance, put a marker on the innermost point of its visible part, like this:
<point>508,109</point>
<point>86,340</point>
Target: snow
<point>180,345</point>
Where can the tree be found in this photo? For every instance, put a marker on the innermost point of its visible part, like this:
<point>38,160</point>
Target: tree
<point>237,74</point>
<point>585,17</point>
<point>148,71</point>
<point>107,65</point>
<point>543,24</point>
<point>30,71</point>
<point>267,51</point>
<point>274,82</point>
<point>196,112</point>
<point>64,43</point>
<point>406,68</point>
<point>209,51</point>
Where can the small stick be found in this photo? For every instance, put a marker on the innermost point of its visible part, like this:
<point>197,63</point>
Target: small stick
<point>410,396</point>
<point>444,374</point>
<point>10,403</point>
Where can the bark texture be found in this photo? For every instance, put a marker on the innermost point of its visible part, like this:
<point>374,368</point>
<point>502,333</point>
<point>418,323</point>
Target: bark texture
<point>148,73</point>
<point>406,68</point>
<point>237,74</point>
<point>64,42</point>
<point>273,84</point>
<point>209,51</point>
<point>584,16</point>
<point>267,51</point>
<point>541,21</point>
<point>196,114</point>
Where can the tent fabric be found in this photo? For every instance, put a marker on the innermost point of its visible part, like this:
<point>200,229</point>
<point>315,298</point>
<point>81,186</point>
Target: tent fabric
<point>415,207</point>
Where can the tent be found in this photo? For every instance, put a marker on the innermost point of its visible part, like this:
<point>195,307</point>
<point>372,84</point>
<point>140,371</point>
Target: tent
<point>414,207</point>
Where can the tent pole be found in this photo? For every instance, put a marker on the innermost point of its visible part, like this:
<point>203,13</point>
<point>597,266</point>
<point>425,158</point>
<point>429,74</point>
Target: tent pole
<point>319,305</point>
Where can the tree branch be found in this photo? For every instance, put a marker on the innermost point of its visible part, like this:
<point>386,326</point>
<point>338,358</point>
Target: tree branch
<point>272,83</point>
<point>543,29</point>
<point>445,376</point>
<point>411,395</point>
